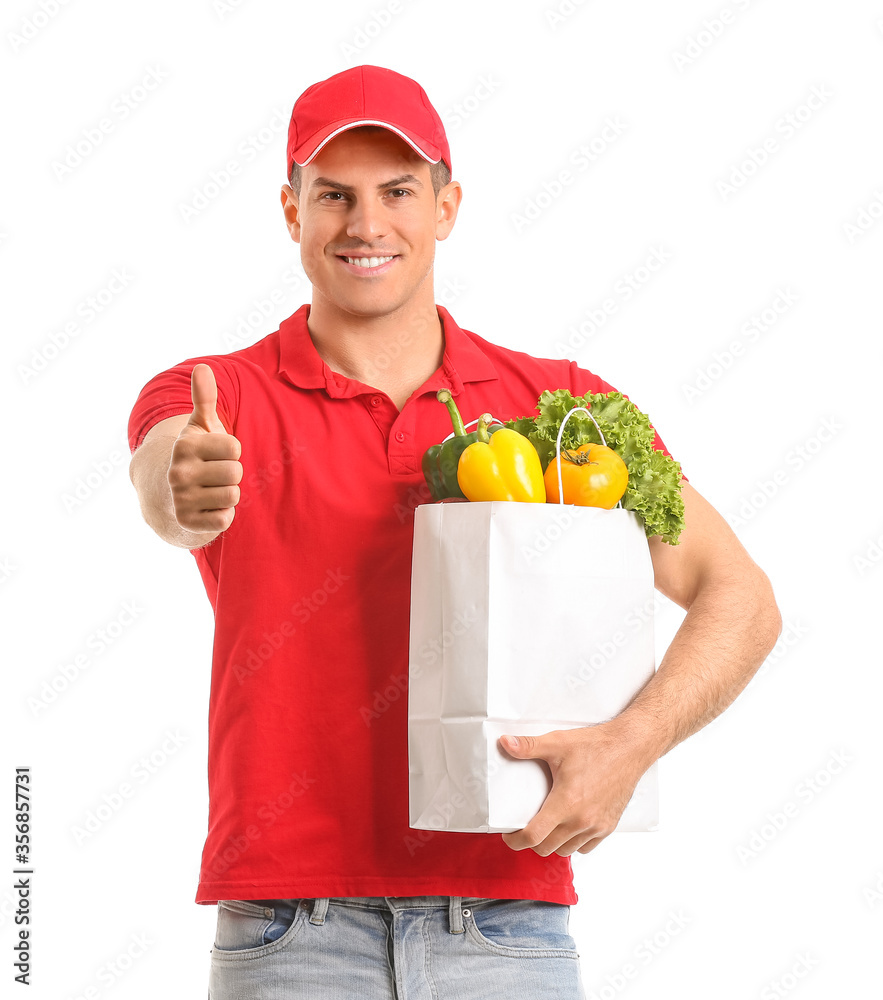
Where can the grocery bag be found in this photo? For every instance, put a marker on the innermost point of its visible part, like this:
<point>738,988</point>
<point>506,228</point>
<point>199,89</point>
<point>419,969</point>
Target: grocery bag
<point>525,618</point>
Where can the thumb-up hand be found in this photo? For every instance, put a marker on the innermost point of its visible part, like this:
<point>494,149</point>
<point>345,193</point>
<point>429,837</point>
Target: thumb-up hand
<point>205,471</point>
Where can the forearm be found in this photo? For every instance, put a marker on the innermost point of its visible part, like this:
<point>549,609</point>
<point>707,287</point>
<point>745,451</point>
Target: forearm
<point>149,474</point>
<point>728,632</point>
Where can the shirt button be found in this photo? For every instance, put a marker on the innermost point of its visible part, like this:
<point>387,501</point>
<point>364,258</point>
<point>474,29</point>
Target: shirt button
<point>376,400</point>
<point>400,436</point>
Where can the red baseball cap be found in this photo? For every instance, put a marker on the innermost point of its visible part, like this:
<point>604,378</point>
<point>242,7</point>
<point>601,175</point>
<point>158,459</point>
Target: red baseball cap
<point>365,95</point>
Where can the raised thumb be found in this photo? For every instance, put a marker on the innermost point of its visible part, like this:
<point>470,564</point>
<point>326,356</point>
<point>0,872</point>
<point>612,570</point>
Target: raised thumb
<point>204,392</point>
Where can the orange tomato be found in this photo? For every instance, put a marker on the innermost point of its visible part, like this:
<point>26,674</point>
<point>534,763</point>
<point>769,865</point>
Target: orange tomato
<point>592,475</point>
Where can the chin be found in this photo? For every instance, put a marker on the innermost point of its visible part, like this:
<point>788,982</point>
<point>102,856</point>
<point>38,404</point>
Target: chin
<point>366,306</point>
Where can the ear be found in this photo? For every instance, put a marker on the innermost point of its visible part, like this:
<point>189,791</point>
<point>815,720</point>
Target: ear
<point>291,210</point>
<point>447,204</point>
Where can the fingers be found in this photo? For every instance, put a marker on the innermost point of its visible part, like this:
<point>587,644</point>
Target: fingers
<point>213,498</point>
<point>213,447</point>
<point>588,846</point>
<point>207,521</point>
<point>211,474</point>
<point>204,392</point>
<point>189,466</point>
<point>203,506</point>
<point>564,838</point>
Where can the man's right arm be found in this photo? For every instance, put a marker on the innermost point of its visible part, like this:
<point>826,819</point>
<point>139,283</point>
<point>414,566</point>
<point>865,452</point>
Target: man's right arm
<point>186,471</point>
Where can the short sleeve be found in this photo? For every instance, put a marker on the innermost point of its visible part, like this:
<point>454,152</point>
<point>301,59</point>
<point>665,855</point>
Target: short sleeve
<point>583,381</point>
<point>168,394</point>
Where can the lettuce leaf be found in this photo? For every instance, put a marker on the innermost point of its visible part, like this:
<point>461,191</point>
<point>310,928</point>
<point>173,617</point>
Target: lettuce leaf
<point>653,491</point>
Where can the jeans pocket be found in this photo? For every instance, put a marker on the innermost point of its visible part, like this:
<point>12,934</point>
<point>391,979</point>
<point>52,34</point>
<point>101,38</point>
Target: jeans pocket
<point>521,928</point>
<point>254,926</point>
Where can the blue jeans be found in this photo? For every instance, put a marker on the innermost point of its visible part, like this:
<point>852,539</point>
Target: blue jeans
<point>394,948</point>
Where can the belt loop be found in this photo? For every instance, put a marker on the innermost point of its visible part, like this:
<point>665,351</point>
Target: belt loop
<point>320,908</point>
<point>455,915</point>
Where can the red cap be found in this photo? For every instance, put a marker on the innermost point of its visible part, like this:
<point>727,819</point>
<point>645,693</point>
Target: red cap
<point>365,95</point>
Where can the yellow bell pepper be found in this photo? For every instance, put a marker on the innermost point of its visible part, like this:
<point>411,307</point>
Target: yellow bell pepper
<point>502,466</point>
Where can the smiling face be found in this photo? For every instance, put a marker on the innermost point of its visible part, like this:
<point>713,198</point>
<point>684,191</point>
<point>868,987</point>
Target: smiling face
<point>367,220</point>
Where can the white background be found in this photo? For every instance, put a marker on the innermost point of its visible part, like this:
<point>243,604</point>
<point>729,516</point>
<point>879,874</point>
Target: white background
<point>782,438</point>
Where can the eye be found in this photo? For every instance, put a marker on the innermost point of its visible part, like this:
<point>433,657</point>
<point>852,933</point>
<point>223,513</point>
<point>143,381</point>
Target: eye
<point>333,195</point>
<point>399,192</point>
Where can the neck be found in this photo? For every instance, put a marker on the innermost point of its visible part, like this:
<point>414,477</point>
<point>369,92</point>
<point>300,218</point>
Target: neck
<point>395,353</point>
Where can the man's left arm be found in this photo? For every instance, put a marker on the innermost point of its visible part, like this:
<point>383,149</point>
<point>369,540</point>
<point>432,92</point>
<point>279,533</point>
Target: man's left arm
<point>731,625</point>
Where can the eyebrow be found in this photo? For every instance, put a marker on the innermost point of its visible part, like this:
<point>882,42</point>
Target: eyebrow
<point>395,182</point>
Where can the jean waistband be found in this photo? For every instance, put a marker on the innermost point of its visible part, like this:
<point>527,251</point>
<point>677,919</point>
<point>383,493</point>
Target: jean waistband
<point>453,904</point>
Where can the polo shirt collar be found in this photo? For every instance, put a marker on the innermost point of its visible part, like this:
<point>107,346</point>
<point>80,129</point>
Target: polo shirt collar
<point>299,361</point>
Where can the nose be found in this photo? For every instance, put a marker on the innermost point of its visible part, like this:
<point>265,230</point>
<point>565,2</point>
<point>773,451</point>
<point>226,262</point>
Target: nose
<point>367,220</point>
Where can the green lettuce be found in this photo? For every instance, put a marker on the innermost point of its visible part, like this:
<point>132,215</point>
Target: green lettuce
<point>653,491</point>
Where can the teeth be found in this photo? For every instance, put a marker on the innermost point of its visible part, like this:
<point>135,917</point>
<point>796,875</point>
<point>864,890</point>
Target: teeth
<point>367,261</point>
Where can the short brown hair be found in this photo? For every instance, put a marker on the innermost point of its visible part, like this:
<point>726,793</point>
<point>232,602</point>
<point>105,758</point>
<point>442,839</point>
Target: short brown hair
<point>440,173</point>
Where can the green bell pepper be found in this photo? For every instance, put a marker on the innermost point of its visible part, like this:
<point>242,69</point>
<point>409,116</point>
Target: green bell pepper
<point>441,460</point>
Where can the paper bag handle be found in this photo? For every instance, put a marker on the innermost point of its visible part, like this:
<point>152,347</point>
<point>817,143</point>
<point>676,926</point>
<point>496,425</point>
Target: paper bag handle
<point>567,417</point>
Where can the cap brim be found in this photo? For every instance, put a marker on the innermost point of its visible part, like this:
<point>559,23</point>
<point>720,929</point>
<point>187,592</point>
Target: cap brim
<point>307,150</point>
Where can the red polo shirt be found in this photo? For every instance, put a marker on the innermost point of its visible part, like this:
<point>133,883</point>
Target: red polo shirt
<point>307,751</point>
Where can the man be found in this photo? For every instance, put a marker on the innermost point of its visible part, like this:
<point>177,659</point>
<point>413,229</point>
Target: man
<point>291,469</point>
